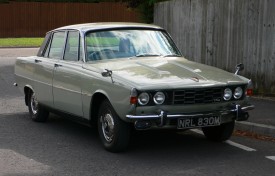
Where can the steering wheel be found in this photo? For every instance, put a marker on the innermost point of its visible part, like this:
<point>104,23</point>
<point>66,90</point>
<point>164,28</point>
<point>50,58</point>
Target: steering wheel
<point>102,54</point>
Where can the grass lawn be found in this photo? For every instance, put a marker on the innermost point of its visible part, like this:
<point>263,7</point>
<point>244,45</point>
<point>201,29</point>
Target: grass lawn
<point>20,42</point>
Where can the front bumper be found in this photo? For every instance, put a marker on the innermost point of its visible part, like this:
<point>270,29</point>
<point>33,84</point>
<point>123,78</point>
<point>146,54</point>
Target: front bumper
<point>236,112</point>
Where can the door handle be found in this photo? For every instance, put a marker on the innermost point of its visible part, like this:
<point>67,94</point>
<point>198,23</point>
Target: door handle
<point>57,65</point>
<point>37,61</point>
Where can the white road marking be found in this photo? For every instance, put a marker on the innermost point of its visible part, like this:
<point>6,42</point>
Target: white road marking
<point>271,157</point>
<point>240,146</point>
<point>197,131</point>
<point>270,127</point>
<point>243,147</point>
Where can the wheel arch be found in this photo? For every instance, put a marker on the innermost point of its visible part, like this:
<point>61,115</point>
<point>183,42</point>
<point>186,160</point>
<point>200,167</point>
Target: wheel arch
<point>27,90</point>
<point>96,101</point>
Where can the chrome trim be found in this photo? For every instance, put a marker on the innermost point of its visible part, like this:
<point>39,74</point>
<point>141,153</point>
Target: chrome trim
<point>247,108</point>
<point>161,114</point>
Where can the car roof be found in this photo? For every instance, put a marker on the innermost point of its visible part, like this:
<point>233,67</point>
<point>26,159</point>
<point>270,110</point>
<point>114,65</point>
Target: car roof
<point>106,25</point>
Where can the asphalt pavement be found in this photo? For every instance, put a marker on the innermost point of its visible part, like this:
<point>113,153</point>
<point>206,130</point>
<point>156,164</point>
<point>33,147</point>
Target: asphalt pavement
<point>262,118</point>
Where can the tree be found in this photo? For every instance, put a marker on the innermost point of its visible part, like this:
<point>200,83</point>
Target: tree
<point>145,7</point>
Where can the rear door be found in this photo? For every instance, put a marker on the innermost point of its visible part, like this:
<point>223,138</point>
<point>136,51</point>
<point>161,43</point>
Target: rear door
<point>45,64</point>
<point>67,77</point>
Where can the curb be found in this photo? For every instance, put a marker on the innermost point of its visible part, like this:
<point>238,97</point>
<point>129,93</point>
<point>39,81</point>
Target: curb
<point>262,129</point>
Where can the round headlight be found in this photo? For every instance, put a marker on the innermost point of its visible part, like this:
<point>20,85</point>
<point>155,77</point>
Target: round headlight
<point>159,98</point>
<point>238,93</point>
<point>227,94</point>
<point>143,98</point>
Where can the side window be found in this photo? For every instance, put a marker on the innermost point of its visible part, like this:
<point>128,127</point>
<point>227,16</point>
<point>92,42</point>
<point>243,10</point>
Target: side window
<point>72,49</point>
<point>44,45</point>
<point>57,45</point>
<point>80,49</point>
<point>46,54</point>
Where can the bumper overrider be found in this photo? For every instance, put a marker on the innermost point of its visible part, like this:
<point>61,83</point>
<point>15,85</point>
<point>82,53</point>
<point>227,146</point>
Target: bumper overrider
<point>236,112</point>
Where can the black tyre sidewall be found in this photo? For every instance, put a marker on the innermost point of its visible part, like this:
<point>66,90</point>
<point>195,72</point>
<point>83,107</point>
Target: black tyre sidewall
<point>219,133</point>
<point>121,130</point>
<point>41,115</point>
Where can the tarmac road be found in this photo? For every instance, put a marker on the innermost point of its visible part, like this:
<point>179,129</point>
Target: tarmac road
<point>61,147</point>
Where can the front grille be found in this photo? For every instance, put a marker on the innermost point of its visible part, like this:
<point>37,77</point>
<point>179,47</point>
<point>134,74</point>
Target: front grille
<point>198,96</point>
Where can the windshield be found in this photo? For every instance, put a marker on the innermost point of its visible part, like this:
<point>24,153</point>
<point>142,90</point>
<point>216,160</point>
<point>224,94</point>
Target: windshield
<point>128,44</point>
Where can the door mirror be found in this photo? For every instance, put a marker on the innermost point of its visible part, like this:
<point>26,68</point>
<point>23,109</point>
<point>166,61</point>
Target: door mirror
<point>238,68</point>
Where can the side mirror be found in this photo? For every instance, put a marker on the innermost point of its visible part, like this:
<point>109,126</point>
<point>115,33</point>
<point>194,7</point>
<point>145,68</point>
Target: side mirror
<point>238,68</point>
<point>107,73</point>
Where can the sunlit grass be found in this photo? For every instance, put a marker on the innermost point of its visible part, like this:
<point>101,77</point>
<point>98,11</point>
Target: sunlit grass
<point>20,42</point>
<point>36,42</point>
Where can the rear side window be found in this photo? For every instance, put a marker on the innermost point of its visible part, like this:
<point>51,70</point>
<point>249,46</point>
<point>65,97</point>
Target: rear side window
<point>57,45</point>
<point>72,46</point>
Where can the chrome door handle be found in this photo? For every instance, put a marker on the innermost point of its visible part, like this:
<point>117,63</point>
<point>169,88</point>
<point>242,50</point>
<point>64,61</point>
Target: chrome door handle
<point>57,65</point>
<point>37,61</point>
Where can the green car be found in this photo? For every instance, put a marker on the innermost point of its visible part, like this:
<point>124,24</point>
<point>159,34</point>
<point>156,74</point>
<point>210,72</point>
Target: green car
<point>124,76</point>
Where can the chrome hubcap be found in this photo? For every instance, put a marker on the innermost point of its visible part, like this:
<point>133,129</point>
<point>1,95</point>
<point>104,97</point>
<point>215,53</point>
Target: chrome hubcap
<point>107,124</point>
<point>34,104</point>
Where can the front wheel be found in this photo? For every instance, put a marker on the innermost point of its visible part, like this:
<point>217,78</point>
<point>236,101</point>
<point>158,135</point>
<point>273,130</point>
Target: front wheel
<point>113,132</point>
<point>36,111</point>
<point>219,133</point>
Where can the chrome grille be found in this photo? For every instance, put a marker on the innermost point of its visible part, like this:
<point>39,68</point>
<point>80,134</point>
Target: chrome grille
<point>198,96</point>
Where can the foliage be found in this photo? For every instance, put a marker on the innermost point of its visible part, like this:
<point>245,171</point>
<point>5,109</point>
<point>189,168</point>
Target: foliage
<point>145,7</point>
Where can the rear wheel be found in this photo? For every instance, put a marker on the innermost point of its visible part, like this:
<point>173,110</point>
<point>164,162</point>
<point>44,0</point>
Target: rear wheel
<point>219,133</point>
<point>37,112</point>
<point>113,132</point>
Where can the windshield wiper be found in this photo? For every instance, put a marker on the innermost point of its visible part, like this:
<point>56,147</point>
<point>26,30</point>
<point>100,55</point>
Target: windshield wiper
<point>147,54</point>
<point>172,55</point>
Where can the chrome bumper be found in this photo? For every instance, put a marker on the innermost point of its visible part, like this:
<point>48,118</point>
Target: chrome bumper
<point>239,112</point>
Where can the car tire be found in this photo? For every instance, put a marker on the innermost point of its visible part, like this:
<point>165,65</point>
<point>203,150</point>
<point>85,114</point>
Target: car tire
<point>113,132</point>
<point>36,111</point>
<point>219,133</point>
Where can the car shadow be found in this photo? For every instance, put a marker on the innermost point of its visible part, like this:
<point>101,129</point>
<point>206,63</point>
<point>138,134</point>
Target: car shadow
<point>67,147</point>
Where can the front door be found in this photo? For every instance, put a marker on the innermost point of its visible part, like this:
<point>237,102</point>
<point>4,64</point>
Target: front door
<point>67,78</point>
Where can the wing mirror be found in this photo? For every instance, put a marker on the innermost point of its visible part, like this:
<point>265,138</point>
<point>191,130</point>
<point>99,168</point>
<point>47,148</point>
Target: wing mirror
<point>108,73</point>
<point>239,67</point>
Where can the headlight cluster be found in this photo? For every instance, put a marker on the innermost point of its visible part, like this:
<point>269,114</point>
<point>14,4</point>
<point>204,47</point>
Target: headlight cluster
<point>237,94</point>
<point>144,98</point>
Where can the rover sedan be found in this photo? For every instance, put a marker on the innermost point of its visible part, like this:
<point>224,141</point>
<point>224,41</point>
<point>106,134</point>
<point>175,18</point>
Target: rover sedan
<point>124,76</point>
